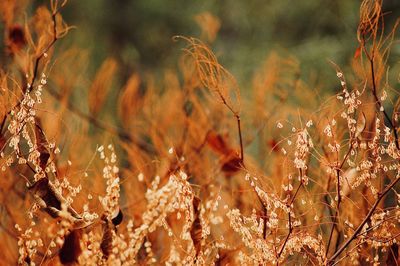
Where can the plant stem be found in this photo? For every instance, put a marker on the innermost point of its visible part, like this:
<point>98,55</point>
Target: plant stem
<point>381,195</point>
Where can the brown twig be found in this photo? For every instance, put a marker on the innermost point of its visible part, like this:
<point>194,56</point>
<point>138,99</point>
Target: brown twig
<point>380,105</point>
<point>37,61</point>
<point>290,219</point>
<point>287,236</point>
<point>334,221</point>
<point>240,138</point>
<point>381,195</point>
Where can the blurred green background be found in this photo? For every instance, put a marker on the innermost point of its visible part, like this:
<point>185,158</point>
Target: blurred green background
<point>139,32</point>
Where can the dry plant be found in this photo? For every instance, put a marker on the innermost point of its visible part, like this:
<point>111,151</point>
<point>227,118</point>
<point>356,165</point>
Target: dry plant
<point>195,175</point>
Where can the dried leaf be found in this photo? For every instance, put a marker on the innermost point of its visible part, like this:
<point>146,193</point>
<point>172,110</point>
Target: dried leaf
<point>361,124</point>
<point>42,190</point>
<point>349,177</point>
<point>209,25</point>
<point>51,200</point>
<point>393,255</point>
<point>106,241</point>
<point>118,218</point>
<point>8,11</point>
<point>224,257</point>
<point>129,101</point>
<point>71,248</point>
<point>217,143</point>
<point>357,53</point>
<point>16,38</point>
<point>231,163</point>
<point>41,143</point>
<point>43,25</point>
<point>101,85</point>
<point>273,145</point>
<point>196,228</point>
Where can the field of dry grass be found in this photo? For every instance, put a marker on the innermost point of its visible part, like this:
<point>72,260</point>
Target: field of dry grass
<point>191,169</point>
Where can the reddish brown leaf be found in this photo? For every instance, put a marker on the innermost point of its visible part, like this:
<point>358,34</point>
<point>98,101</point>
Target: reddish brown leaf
<point>224,257</point>
<point>16,38</point>
<point>357,53</point>
<point>273,144</point>
<point>361,124</point>
<point>101,85</point>
<point>393,255</point>
<point>217,143</point>
<point>106,241</point>
<point>196,229</point>
<point>50,199</point>
<point>41,142</point>
<point>71,248</point>
<point>43,190</point>
<point>118,218</point>
<point>231,163</point>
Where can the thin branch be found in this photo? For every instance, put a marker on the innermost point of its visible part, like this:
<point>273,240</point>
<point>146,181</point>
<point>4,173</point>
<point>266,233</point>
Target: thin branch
<point>335,218</point>
<point>240,138</point>
<point>290,219</point>
<point>37,61</point>
<point>287,236</point>
<point>356,233</point>
<point>265,221</point>
<point>380,105</point>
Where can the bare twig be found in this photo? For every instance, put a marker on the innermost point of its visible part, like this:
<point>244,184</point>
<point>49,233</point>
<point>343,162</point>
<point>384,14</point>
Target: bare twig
<point>287,236</point>
<point>356,233</point>
<point>289,220</point>
<point>380,105</point>
<point>38,59</point>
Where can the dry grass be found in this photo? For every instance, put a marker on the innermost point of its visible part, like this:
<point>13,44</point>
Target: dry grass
<point>195,174</point>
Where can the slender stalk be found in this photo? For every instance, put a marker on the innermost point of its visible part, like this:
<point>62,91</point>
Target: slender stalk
<point>265,222</point>
<point>370,57</point>
<point>335,218</point>
<point>289,221</point>
<point>240,138</point>
<point>287,236</point>
<point>356,233</point>
<point>36,66</point>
